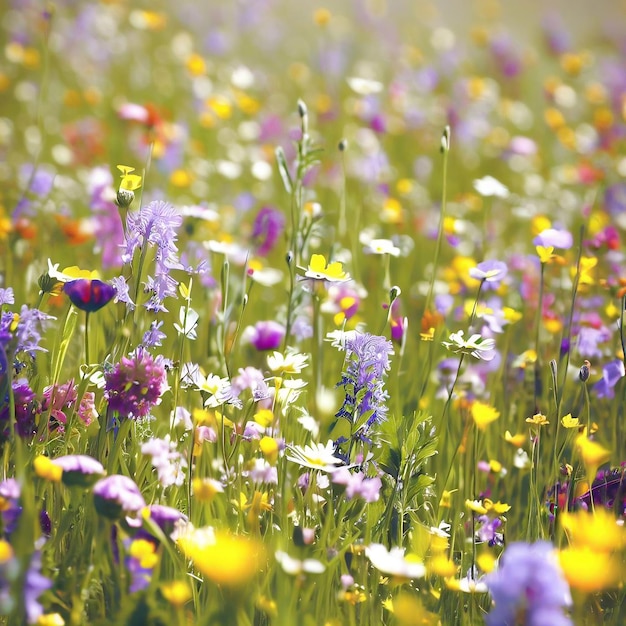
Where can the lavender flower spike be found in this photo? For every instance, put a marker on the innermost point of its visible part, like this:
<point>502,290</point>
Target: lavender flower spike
<point>367,360</point>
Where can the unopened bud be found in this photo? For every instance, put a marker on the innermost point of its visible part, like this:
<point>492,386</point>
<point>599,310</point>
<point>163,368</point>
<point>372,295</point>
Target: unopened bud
<point>124,198</point>
<point>584,371</point>
<point>445,140</point>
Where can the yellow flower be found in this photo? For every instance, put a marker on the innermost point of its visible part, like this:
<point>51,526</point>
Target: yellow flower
<point>264,417</point>
<point>177,592</point>
<point>441,565</point>
<point>486,561</point>
<point>545,253</point>
<point>587,570</point>
<point>269,448</point>
<point>319,270</point>
<point>130,182</point>
<point>484,414</point>
<point>598,530</point>
<point>497,508</point>
<point>50,619</point>
<point>587,263</point>
<point>6,551</point>
<point>226,559</point>
<point>515,440</point>
<point>205,489</point>
<point>322,16</point>
<point>592,454</point>
<point>568,421</point>
<point>47,469</point>
<point>476,506</point>
<point>538,419</point>
<point>144,551</point>
<point>446,498</point>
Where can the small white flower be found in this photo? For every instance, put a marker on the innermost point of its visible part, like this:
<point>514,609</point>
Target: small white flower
<point>489,186</point>
<point>188,322</point>
<point>296,566</point>
<point>290,363</point>
<point>364,86</point>
<point>394,562</point>
<point>266,276</point>
<point>479,348</point>
<point>381,246</point>
<point>316,456</point>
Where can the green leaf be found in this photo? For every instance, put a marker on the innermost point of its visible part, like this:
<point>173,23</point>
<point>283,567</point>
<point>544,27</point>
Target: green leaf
<point>281,159</point>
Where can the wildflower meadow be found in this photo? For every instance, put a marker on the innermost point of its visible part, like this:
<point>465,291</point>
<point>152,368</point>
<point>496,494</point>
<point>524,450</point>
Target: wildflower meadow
<point>312,314</point>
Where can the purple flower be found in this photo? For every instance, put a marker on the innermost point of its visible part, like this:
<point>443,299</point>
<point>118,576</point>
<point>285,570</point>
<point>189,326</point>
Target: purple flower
<point>489,272</point>
<point>367,360</point>
<point>266,335</point>
<point>153,336</point>
<point>31,323</point>
<point>552,238</point>
<point>35,583</point>
<point>135,384</point>
<point>79,469</point>
<point>26,410</point>
<point>122,292</point>
<point>488,531</point>
<point>117,496</point>
<point>528,578</point>
<point>358,485</point>
<point>108,231</point>
<point>10,508</point>
<point>615,198</point>
<point>268,226</point>
<point>89,294</point>
<point>60,399</point>
<point>611,373</point>
<point>155,224</point>
<point>6,296</point>
<point>165,517</point>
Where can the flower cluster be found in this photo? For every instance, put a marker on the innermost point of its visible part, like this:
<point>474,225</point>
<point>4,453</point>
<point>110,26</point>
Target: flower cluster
<point>366,363</point>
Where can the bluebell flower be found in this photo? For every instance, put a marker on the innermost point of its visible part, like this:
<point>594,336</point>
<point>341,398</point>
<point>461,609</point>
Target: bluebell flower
<point>367,360</point>
<point>122,292</point>
<point>153,337</point>
<point>528,582</point>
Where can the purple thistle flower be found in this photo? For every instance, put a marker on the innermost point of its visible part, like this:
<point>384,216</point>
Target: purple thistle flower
<point>269,224</point>
<point>117,496</point>
<point>367,360</point>
<point>530,579</point>
<point>135,384</point>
